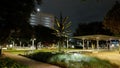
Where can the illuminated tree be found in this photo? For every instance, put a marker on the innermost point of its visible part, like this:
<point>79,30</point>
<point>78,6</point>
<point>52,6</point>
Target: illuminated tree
<point>62,29</point>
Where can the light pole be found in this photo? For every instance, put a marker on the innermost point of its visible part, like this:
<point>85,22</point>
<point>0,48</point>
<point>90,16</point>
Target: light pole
<point>33,41</point>
<point>83,43</point>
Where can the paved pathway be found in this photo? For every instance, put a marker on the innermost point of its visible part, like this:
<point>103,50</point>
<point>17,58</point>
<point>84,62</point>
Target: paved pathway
<point>29,62</point>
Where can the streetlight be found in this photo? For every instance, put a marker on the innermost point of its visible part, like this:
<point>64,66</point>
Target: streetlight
<point>38,10</point>
<point>33,41</point>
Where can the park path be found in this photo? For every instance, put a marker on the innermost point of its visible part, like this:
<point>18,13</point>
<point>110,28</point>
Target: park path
<point>29,62</point>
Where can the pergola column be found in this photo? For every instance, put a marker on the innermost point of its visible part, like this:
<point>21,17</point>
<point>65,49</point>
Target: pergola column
<point>83,43</point>
<point>97,39</point>
<point>109,46</point>
<point>119,46</point>
<point>97,44</point>
<point>87,44</point>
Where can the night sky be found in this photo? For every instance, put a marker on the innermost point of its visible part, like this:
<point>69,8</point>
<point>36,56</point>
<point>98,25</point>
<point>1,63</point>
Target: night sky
<point>77,10</point>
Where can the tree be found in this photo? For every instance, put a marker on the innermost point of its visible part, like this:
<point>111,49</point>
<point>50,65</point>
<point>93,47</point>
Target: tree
<point>62,29</point>
<point>90,29</point>
<point>112,19</point>
<point>44,35</point>
<point>14,15</point>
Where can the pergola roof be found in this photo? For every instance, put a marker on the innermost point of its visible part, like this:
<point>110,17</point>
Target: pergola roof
<point>97,37</point>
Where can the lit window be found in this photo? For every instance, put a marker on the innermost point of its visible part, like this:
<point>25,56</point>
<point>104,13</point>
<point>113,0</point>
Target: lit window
<point>32,20</point>
<point>47,23</point>
<point>47,18</point>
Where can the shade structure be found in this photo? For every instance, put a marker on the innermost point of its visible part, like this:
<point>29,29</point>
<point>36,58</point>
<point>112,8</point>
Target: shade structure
<point>97,37</point>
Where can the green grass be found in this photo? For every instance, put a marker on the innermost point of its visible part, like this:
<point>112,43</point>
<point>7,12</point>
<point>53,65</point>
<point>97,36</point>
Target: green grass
<point>23,52</point>
<point>40,50</point>
<point>15,51</point>
<point>50,56</point>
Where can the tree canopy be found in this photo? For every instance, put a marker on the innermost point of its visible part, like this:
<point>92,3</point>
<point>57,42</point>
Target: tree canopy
<point>112,19</point>
<point>44,34</point>
<point>62,29</point>
<point>62,26</point>
<point>14,16</point>
<point>91,29</point>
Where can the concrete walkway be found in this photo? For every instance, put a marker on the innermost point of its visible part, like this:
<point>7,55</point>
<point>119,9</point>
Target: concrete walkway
<point>29,62</point>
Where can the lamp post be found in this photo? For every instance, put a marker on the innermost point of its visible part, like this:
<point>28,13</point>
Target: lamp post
<point>83,43</point>
<point>33,41</point>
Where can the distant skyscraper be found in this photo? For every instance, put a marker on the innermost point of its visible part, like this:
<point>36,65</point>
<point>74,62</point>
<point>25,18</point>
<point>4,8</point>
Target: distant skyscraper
<point>43,19</point>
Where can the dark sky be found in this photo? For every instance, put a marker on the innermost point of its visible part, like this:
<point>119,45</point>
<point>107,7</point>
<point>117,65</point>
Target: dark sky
<point>78,11</point>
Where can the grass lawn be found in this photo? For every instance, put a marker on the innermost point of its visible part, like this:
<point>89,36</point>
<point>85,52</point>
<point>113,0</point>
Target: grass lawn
<point>15,51</point>
<point>45,52</point>
<point>40,50</point>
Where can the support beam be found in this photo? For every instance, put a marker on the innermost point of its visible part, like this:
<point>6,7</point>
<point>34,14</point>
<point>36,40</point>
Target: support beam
<point>83,43</point>
<point>97,39</point>
<point>87,44</point>
<point>97,44</point>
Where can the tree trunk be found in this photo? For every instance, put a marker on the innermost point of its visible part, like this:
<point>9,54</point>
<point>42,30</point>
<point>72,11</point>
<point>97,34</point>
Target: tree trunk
<point>0,51</point>
<point>59,46</point>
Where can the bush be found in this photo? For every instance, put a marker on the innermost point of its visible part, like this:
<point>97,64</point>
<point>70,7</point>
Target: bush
<point>8,63</point>
<point>78,61</point>
<point>41,56</point>
<point>71,60</point>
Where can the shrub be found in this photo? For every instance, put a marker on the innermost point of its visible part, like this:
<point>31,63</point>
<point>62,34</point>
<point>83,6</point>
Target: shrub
<point>78,61</point>
<point>8,63</point>
<point>41,56</point>
<point>71,60</point>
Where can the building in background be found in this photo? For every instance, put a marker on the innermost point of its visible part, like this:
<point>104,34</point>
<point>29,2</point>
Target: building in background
<point>43,19</point>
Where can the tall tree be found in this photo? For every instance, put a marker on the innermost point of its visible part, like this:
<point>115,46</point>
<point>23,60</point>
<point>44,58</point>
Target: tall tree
<point>14,15</point>
<point>112,19</point>
<point>44,34</point>
<point>62,29</point>
<point>90,29</point>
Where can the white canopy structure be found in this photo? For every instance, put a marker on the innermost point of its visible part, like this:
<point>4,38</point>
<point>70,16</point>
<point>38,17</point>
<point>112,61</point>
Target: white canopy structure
<point>97,38</point>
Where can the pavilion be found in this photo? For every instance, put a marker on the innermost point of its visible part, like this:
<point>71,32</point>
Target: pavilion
<point>97,38</point>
